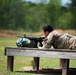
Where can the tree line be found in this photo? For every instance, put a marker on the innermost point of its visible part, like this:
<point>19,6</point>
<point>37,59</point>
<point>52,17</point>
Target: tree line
<point>22,15</point>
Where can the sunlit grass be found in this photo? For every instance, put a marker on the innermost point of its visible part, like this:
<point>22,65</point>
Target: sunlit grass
<point>20,62</point>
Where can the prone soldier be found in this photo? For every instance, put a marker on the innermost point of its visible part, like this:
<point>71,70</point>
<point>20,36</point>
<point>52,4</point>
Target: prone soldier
<point>57,40</point>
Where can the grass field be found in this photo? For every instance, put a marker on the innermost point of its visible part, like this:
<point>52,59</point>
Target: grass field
<point>21,62</point>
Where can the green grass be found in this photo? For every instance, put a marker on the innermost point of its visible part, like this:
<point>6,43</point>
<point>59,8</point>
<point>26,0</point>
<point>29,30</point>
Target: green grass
<point>21,62</point>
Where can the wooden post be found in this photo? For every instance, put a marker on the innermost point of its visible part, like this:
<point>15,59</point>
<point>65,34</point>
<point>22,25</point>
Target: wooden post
<point>36,59</point>
<point>61,63</point>
<point>36,63</point>
<point>10,62</point>
<point>65,66</point>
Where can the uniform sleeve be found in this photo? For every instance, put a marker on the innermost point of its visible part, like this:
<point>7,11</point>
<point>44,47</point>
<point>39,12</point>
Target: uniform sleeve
<point>47,43</point>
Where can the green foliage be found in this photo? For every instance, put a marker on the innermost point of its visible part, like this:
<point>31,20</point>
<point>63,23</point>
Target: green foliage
<point>73,10</point>
<point>53,11</point>
<point>4,13</point>
<point>21,15</point>
<point>64,21</point>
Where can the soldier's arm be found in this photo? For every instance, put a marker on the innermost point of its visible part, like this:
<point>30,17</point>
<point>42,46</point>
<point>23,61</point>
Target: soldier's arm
<point>47,43</point>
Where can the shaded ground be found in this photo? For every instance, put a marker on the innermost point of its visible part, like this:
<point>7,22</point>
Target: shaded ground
<point>48,71</point>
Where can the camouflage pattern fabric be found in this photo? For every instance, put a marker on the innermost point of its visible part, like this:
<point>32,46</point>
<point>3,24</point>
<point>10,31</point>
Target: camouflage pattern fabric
<point>59,41</point>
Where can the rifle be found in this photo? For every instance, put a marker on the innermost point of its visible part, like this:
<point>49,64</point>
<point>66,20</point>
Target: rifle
<point>34,41</point>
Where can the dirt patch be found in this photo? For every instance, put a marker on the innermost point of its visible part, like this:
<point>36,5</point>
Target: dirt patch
<point>7,33</point>
<point>48,71</point>
<point>30,68</point>
<point>1,73</point>
<point>67,31</point>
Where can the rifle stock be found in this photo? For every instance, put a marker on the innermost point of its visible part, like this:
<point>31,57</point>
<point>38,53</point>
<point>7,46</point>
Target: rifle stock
<point>22,41</point>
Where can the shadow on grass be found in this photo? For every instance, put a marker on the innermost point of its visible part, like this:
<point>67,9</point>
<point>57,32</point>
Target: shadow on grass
<point>48,71</point>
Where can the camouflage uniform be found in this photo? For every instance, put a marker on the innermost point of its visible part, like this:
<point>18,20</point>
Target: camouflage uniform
<point>59,41</point>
